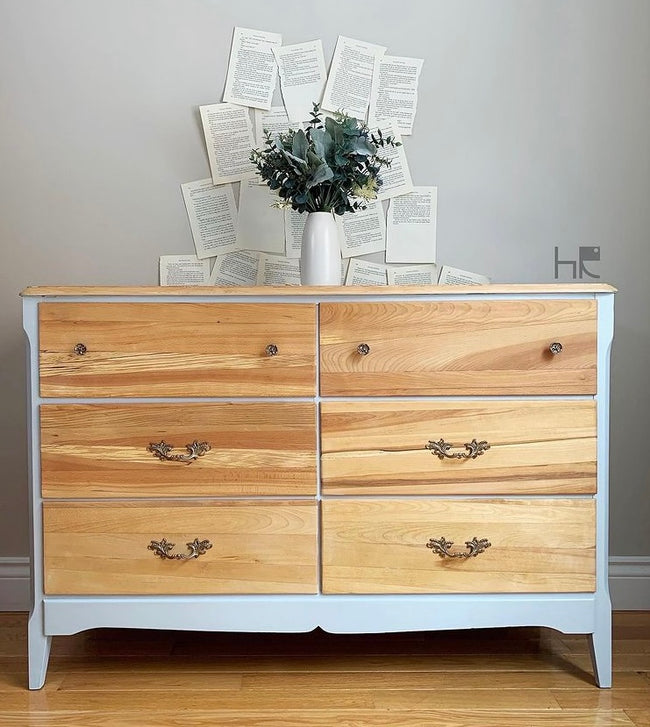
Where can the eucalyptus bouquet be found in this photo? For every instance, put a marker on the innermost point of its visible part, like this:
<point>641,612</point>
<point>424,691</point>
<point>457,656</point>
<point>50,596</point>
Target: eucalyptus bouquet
<point>332,166</point>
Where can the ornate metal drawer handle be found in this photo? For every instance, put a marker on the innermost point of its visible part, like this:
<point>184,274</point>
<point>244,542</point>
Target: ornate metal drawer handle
<point>363,349</point>
<point>555,348</point>
<point>441,449</point>
<point>475,546</point>
<point>80,349</point>
<point>194,451</point>
<point>271,350</point>
<point>162,548</point>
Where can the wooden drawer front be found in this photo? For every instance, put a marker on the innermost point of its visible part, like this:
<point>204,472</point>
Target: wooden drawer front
<point>535,447</point>
<point>102,548</point>
<point>458,348</point>
<point>380,546</point>
<point>177,349</point>
<point>102,450</point>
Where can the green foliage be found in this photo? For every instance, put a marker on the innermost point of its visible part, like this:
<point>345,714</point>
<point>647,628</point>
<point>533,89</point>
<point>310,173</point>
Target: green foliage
<point>333,166</point>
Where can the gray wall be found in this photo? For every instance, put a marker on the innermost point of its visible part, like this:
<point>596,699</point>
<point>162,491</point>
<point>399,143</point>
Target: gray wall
<point>533,122</point>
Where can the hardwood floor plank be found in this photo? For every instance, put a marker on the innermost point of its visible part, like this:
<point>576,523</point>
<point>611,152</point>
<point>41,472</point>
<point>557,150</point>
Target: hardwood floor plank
<point>326,663</point>
<point>607,699</point>
<point>628,618</point>
<point>574,645</point>
<point>502,700</point>
<point>320,718</point>
<point>185,700</point>
<point>621,662</point>
<point>396,680</point>
<point>136,681</point>
<point>640,718</point>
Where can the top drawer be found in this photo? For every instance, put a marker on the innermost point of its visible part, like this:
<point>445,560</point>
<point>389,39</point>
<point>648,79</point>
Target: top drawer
<point>458,347</point>
<point>176,349</point>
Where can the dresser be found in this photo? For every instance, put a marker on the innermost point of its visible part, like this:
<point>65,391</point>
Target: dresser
<point>356,459</point>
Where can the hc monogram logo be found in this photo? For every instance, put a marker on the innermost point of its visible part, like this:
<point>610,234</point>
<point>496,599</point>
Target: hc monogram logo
<point>585,255</point>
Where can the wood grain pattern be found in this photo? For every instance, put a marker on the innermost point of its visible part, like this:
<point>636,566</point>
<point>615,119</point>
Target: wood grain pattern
<point>100,450</point>
<point>458,347</point>
<point>258,547</point>
<point>185,349</point>
<point>379,546</point>
<point>536,447</point>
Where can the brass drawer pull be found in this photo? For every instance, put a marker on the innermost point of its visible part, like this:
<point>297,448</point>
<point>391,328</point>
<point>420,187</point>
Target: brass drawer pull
<point>194,451</point>
<point>475,546</point>
<point>555,348</point>
<point>162,548</point>
<point>441,449</point>
<point>363,349</point>
<point>80,349</point>
<point>271,350</point>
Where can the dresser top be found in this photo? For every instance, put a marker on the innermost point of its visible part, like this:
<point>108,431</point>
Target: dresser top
<point>304,291</point>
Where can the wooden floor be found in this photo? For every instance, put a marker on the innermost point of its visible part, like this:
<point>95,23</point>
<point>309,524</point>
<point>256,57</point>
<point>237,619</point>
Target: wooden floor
<point>489,678</point>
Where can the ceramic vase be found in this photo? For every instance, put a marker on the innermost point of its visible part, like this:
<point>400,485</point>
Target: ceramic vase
<point>320,254</point>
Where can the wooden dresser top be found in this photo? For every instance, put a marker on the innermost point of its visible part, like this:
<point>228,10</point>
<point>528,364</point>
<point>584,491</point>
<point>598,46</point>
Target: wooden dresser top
<point>304,291</point>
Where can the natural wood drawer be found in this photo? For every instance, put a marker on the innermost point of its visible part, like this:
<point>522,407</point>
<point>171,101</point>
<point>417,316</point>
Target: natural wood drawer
<point>185,349</point>
<point>535,447</point>
<point>101,450</point>
<point>380,546</point>
<point>458,347</point>
<point>102,548</point>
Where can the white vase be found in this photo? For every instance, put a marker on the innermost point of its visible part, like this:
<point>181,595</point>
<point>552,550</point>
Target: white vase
<point>320,254</point>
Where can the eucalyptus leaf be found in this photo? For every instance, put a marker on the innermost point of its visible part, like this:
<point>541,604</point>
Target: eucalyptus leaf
<point>293,160</point>
<point>363,146</point>
<point>314,160</point>
<point>322,174</point>
<point>323,143</point>
<point>300,144</point>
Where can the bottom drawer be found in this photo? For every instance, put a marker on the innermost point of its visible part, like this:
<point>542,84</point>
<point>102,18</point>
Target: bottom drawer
<point>107,548</point>
<point>387,546</point>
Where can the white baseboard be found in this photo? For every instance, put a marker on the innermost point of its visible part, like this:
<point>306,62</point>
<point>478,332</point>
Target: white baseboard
<point>14,584</point>
<point>629,583</point>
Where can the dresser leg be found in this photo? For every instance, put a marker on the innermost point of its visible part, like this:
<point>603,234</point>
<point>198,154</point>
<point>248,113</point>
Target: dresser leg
<point>38,649</point>
<point>600,646</point>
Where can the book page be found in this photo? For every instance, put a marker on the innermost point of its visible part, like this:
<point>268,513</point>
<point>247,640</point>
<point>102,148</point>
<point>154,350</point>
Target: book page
<point>236,268</point>
<point>395,91</point>
<point>212,213</point>
<point>278,270</point>
<point>363,231</point>
<point>229,139</point>
<point>345,265</point>
<point>364,272</point>
<point>395,179</point>
<point>413,275</point>
<point>275,120</point>
<point>294,225</point>
<point>183,270</point>
<point>350,78</point>
<point>302,77</point>
<point>260,226</point>
<point>252,71</point>
<point>411,227</point>
<point>454,276</point>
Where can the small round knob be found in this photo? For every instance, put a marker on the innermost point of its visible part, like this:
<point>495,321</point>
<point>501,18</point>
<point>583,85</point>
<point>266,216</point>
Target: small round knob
<point>363,349</point>
<point>555,348</point>
<point>80,349</point>
<point>271,350</point>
